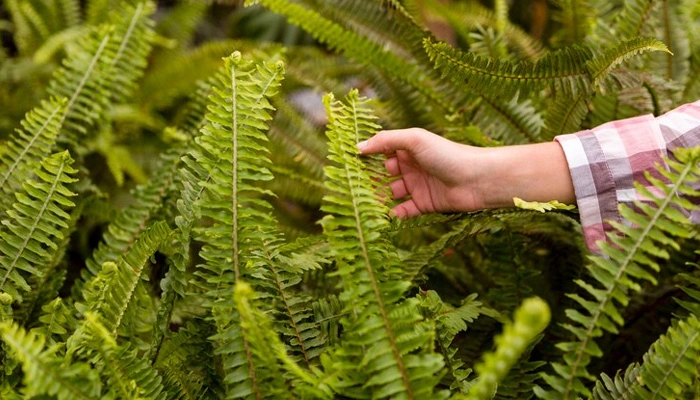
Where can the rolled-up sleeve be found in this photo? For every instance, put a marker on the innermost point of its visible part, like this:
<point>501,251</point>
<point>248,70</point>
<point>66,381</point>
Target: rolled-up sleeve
<point>605,161</point>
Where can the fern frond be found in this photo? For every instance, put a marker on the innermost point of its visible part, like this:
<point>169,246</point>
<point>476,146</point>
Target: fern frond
<point>57,318</point>
<point>602,64</point>
<point>269,349</point>
<point>27,147</point>
<point>619,387</point>
<point>130,223</point>
<point>110,293</point>
<point>671,365</point>
<point>44,372</point>
<point>128,375</point>
<point>449,322</point>
<point>631,260</point>
<point>232,151</point>
<point>565,69</point>
<point>577,19</point>
<point>566,115</point>
<point>530,319</point>
<point>108,60</point>
<point>387,345</point>
<point>464,17</point>
<point>35,222</point>
<point>359,48</point>
<point>631,20</point>
<point>512,122</point>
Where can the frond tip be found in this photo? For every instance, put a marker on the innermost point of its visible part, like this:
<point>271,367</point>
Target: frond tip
<point>531,318</point>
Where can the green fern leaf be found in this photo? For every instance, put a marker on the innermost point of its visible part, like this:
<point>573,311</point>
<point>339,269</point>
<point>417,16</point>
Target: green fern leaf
<point>530,319</point>
<point>563,68</point>
<point>109,60</point>
<point>28,146</point>
<point>112,290</point>
<point>269,349</point>
<point>387,346</point>
<point>34,224</point>
<point>601,65</point>
<point>128,375</point>
<point>658,225</point>
<point>359,48</point>
<point>44,372</point>
<point>670,366</point>
<point>632,19</point>
<point>618,388</point>
<point>232,151</point>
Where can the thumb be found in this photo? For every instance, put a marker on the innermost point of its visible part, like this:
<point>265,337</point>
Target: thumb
<point>388,142</point>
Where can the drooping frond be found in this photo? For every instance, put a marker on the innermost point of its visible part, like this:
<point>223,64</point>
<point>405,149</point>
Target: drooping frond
<point>359,48</point>
<point>564,68</point>
<point>44,372</point>
<point>34,224</point>
<point>386,348</point>
<point>631,259</point>
<point>529,320</point>
<point>601,65</point>
<point>28,147</point>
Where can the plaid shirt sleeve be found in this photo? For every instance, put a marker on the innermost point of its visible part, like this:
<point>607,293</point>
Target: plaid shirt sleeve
<point>604,162</point>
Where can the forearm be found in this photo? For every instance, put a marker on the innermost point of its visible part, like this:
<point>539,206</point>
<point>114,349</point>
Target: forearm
<point>533,172</point>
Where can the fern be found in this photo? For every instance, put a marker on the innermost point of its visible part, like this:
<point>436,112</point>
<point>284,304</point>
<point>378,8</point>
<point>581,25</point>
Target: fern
<point>380,355</point>
<point>44,372</point>
<point>33,227</point>
<point>109,60</point>
<point>129,376</point>
<point>529,320</point>
<point>617,275</point>
<point>28,147</point>
<point>619,387</point>
<point>269,349</point>
<point>357,47</point>
<point>237,115</point>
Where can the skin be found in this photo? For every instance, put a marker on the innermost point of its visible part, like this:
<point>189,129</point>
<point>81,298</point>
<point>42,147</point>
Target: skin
<point>434,174</point>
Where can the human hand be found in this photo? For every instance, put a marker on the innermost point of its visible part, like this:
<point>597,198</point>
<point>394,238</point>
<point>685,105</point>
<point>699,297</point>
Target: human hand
<point>434,174</point>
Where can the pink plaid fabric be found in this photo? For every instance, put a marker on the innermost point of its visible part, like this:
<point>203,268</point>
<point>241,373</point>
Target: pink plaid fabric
<point>606,161</point>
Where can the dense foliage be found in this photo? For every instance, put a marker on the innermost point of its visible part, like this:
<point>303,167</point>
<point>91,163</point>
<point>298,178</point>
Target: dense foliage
<point>185,213</point>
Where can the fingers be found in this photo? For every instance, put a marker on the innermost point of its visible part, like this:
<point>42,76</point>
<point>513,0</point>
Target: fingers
<point>387,142</point>
<point>392,166</point>
<point>398,188</point>
<point>406,209</point>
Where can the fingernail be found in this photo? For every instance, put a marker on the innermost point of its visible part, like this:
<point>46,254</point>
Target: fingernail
<point>361,145</point>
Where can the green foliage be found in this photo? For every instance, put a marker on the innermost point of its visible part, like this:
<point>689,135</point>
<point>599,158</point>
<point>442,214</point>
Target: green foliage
<point>218,234</point>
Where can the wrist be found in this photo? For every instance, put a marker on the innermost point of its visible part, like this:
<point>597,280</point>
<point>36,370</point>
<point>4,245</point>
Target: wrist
<point>533,172</point>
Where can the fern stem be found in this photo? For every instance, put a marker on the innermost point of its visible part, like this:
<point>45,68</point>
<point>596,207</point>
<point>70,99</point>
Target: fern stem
<point>377,292</point>
<point>29,145</point>
<point>39,216</point>
<point>631,253</point>
<point>234,179</point>
<point>86,76</point>
<point>127,35</point>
